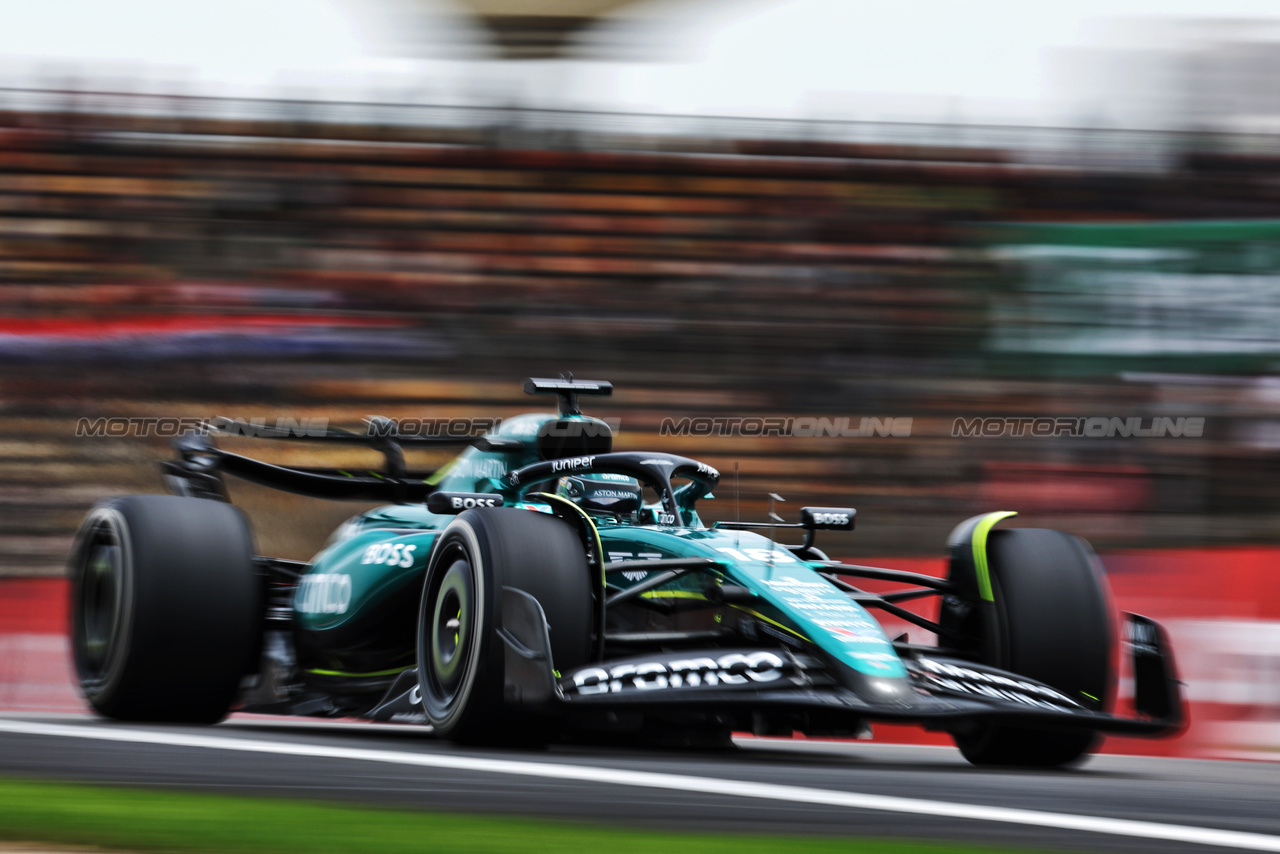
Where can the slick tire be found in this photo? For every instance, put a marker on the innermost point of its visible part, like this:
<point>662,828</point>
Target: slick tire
<point>460,655</point>
<point>166,608</point>
<point>1054,624</point>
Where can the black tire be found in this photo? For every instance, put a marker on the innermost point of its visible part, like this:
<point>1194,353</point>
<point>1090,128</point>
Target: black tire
<point>461,664</point>
<point>1053,623</point>
<point>166,608</point>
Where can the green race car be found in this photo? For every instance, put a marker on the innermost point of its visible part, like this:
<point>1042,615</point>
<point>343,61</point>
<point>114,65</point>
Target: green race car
<point>542,586</point>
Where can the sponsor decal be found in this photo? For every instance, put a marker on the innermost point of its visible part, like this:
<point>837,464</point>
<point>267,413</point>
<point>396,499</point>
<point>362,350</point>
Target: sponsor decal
<point>731,669</point>
<point>469,502</point>
<point>571,463</point>
<point>616,556</point>
<point>796,586</point>
<point>881,660</point>
<point>816,601</point>
<point>456,502</point>
<point>965,680</point>
<point>323,593</point>
<point>851,634</point>
<point>388,554</point>
<point>831,518</point>
<point>634,574</point>
<point>611,493</point>
<point>479,467</point>
<point>760,555</point>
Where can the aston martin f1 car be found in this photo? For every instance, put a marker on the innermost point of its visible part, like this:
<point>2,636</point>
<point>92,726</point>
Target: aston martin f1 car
<point>542,586</point>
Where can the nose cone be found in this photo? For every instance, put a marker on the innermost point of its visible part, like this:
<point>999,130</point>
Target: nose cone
<point>896,691</point>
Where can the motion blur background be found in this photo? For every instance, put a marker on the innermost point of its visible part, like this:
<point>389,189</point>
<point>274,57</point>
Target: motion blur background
<point>807,208</point>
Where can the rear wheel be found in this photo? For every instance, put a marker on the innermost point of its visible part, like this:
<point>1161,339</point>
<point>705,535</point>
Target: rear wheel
<point>166,609</point>
<point>1050,621</point>
<point>460,655</point>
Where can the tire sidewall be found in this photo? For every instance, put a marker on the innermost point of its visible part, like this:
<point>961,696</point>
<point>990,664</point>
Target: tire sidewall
<point>1023,608</point>
<point>536,554</point>
<point>459,538</point>
<point>191,608</point>
<point>100,690</point>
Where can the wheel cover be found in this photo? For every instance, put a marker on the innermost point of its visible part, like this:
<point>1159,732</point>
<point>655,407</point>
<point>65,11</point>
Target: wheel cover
<point>101,601</point>
<point>452,625</point>
<point>447,637</point>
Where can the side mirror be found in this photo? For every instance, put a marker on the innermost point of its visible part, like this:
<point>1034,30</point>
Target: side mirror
<point>827,518</point>
<point>453,503</point>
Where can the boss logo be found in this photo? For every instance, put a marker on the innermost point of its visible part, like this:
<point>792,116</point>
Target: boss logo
<point>830,518</point>
<point>456,502</point>
<point>467,503</point>
<point>732,669</point>
<point>390,554</point>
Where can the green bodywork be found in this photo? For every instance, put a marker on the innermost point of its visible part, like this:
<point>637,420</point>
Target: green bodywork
<point>383,554</point>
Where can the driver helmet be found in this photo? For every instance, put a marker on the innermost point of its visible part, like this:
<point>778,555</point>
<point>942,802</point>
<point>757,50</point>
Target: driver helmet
<point>603,493</point>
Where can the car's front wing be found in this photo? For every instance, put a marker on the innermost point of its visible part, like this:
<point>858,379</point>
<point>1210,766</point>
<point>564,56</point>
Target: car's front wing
<point>939,693</point>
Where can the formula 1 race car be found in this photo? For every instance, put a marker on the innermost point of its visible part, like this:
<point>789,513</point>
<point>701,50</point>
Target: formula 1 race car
<point>542,586</point>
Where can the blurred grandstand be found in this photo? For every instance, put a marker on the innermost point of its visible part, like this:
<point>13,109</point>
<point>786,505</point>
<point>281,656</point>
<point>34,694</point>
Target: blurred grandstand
<point>194,257</point>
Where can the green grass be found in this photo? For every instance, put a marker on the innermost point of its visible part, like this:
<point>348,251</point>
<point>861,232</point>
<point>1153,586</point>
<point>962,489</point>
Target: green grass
<point>131,819</point>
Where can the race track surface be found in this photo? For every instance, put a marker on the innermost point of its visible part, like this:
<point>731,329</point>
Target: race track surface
<point>762,786</point>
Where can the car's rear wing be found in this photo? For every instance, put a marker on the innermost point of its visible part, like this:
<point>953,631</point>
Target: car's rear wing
<point>200,464</point>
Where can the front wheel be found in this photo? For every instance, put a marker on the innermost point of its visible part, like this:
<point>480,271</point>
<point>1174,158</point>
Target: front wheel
<point>1050,619</point>
<point>460,654</point>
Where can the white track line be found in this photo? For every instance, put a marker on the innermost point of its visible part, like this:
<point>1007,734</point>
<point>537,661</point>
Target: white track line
<point>675,782</point>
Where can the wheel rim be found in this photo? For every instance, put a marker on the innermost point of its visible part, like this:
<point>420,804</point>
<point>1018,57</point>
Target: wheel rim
<point>447,637</point>
<point>100,605</point>
<point>452,625</point>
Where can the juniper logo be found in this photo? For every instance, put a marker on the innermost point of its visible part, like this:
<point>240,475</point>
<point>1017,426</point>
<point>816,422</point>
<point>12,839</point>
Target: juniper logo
<point>1094,427</point>
<point>800,427</point>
